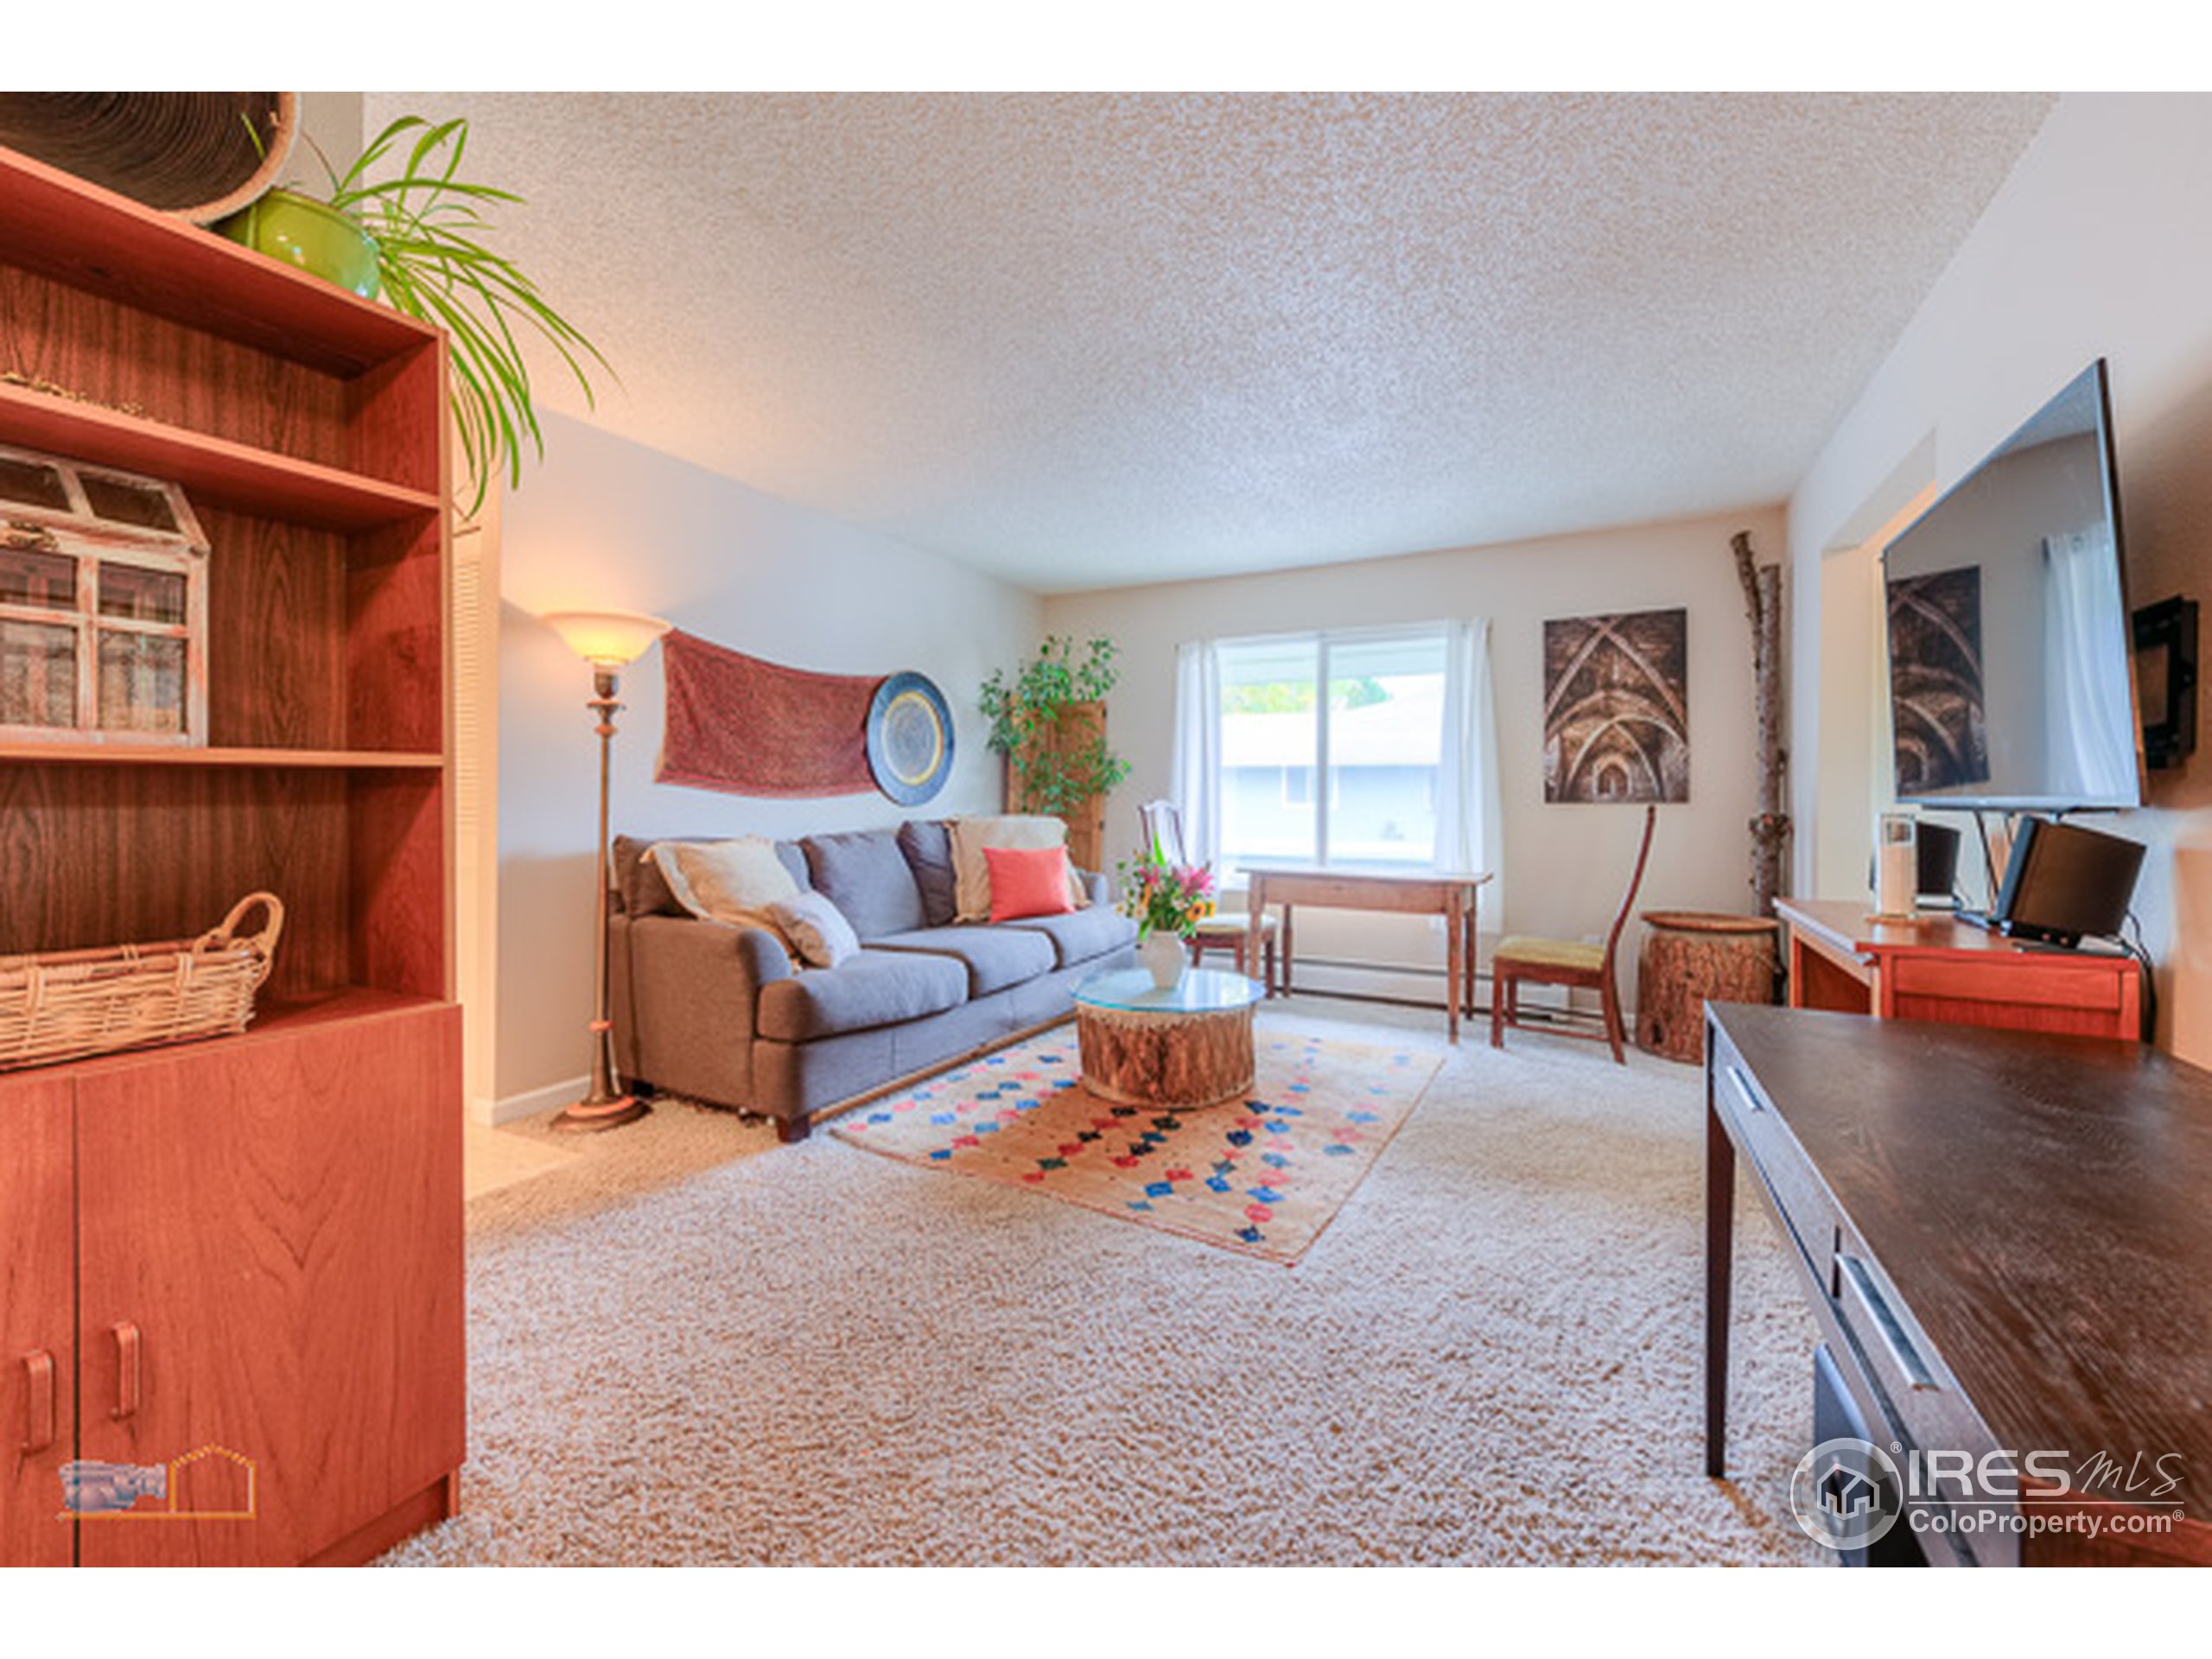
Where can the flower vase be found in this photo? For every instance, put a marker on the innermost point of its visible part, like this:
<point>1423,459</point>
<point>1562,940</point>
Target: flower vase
<point>1165,957</point>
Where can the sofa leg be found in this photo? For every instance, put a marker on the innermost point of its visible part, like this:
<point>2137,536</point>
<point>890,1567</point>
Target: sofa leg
<point>792,1130</point>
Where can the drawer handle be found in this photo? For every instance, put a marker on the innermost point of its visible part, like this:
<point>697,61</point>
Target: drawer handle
<point>38,1426</point>
<point>1887,1326</point>
<point>127,1347</point>
<point>1752,1102</point>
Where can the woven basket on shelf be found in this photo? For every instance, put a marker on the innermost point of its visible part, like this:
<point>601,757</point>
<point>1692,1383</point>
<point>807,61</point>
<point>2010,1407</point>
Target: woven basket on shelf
<point>64,1005</point>
<point>202,155</point>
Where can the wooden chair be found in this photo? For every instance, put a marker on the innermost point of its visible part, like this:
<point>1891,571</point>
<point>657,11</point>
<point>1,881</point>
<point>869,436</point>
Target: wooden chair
<point>1163,823</point>
<point>1573,963</point>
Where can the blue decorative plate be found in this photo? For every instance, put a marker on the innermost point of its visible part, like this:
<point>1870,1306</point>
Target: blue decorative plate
<point>909,739</point>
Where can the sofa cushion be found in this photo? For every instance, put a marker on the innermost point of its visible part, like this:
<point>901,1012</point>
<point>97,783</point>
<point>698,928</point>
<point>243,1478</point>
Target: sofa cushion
<point>863,874</point>
<point>1081,935</point>
<point>994,957</point>
<point>645,891</point>
<point>928,846</point>
<point>872,988</point>
<point>638,880</point>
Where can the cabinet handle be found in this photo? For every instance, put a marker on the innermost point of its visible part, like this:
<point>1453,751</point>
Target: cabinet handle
<point>1752,1102</point>
<point>1906,1358</point>
<point>127,1346</point>
<point>38,1426</point>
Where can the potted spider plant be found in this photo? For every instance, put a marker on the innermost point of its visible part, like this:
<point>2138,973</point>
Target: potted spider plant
<point>415,235</point>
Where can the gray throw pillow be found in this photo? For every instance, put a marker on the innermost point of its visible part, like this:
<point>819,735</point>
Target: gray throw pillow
<point>817,928</point>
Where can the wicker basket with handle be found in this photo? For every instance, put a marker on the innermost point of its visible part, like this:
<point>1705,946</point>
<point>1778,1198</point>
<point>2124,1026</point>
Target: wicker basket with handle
<point>64,1005</point>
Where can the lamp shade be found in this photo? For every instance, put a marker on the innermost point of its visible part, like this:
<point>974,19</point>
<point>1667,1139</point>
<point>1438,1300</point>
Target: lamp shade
<point>605,638</point>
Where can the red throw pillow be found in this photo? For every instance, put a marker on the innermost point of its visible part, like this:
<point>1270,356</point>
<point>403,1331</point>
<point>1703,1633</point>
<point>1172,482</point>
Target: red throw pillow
<point>1028,882</point>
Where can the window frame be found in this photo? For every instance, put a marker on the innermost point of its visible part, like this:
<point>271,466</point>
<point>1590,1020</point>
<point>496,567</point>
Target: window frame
<point>1324,794</point>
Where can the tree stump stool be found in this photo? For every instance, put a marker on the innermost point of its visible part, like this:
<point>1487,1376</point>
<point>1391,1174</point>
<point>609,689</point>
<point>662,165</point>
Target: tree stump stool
<point>1691,957</point>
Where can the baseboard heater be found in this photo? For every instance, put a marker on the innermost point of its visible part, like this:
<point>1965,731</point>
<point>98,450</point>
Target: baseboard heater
<point>1327,967</point>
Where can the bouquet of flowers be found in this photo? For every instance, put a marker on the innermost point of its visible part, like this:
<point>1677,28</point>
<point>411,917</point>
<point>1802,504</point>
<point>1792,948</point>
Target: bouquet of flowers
<point>1165,898</point>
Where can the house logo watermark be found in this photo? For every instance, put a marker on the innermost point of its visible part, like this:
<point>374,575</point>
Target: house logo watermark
<point>92,1491</point>
<point>1847,1493</point>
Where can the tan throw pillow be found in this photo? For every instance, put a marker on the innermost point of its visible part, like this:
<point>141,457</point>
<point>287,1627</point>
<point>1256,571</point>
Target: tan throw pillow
<point>733,881</point>
<point>971,875</point>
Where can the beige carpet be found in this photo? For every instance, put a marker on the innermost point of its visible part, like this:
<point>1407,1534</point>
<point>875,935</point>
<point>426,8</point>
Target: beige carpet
<point>692,1345</point>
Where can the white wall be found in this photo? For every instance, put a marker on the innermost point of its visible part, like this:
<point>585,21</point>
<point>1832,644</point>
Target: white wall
<point>2097,245</point>
<point>605,525</point>
<point>1564,865</point>
<point>330,130</point>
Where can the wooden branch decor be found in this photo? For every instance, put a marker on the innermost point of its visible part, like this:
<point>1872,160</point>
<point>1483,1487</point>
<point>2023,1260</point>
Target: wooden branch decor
<point>1770,829</point>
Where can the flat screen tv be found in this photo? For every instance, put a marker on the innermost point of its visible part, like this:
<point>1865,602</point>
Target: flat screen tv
<point>2010,679</point>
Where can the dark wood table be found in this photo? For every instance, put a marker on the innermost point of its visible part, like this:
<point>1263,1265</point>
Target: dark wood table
<point>1449,895</point>
<point>2006,1242</point>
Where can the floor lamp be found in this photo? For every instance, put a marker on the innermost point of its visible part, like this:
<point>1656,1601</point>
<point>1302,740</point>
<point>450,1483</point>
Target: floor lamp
<point>608,640</point>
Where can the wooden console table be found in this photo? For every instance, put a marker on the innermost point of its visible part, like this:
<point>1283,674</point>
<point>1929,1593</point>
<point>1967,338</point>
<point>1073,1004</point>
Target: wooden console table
<point>2004,1240</point>
<point>1939,968</point>
<point>1451,896</point>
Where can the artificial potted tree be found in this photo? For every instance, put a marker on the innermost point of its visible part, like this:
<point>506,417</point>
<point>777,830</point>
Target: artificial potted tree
<point>1048,719</point>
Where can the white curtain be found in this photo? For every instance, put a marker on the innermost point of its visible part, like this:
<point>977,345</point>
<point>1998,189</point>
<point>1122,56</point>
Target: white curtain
<point>1195,789</point>
<point>2091,719</point>
<point>1470,817</point>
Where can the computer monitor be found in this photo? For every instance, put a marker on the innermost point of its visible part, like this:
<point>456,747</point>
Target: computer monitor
<point>2063,882</point>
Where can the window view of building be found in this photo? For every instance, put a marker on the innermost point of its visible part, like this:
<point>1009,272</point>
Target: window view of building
<point>1376,737</point>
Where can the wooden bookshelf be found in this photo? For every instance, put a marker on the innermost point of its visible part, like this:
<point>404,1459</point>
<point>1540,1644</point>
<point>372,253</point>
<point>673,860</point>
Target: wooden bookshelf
<point>122,754</point>
<point>213,470</point>
<point>151,262</point>
<point>275,1216</point>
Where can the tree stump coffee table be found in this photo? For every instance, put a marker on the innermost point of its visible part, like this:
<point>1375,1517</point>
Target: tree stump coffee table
<point>1184,1048</point>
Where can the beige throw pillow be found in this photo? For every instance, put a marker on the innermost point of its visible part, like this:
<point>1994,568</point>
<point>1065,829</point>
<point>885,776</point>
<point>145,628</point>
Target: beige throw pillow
<point>733,881</point>
<point>971,873</point>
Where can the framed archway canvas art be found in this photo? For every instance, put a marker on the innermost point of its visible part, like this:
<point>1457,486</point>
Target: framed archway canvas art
<point>1617,725</point>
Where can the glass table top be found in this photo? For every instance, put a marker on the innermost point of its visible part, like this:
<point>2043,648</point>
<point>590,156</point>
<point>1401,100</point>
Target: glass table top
<point>1201,990</point>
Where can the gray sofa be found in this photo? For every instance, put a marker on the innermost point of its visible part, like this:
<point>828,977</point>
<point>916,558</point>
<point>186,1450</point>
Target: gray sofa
<point>720,1014</point>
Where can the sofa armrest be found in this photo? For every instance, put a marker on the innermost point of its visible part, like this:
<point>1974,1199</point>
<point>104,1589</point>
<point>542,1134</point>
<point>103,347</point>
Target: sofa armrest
<point>1096,887</point>
<point>694,993</point>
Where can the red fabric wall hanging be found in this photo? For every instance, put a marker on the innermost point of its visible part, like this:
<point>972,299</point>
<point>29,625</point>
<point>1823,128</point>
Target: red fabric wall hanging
<point>753,727</point>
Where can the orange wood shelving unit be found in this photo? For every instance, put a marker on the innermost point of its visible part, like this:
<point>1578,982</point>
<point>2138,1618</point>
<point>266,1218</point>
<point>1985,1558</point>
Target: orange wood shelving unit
<point>251,1243</point>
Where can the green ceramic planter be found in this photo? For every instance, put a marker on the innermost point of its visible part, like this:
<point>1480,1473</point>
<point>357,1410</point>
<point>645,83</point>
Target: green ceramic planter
<point>310,234</point>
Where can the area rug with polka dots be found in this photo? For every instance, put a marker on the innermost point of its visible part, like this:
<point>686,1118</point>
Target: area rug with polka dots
<point>1264,1175</point>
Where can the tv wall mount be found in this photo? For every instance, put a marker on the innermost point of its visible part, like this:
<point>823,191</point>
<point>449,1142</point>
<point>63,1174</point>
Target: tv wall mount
<point>2165,680</point>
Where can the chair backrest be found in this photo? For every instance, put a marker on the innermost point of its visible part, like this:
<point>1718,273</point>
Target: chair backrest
<point>1163,823</point>
<point>1636,880</point>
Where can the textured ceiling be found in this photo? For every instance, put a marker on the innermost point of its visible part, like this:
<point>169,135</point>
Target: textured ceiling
<point>1083,340</point>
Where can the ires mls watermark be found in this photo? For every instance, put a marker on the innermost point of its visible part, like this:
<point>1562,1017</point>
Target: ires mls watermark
<point>180,1489</point>
<point>1849,1493</point>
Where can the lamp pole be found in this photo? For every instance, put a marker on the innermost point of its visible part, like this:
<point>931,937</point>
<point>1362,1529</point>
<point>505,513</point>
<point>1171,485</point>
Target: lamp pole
<point>607,640</point>
<point>606,1106</point>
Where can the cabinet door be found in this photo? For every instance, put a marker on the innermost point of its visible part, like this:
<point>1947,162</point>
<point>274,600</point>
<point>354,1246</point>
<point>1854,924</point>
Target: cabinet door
<point>38,1320</point>
<point>271,1272</point>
